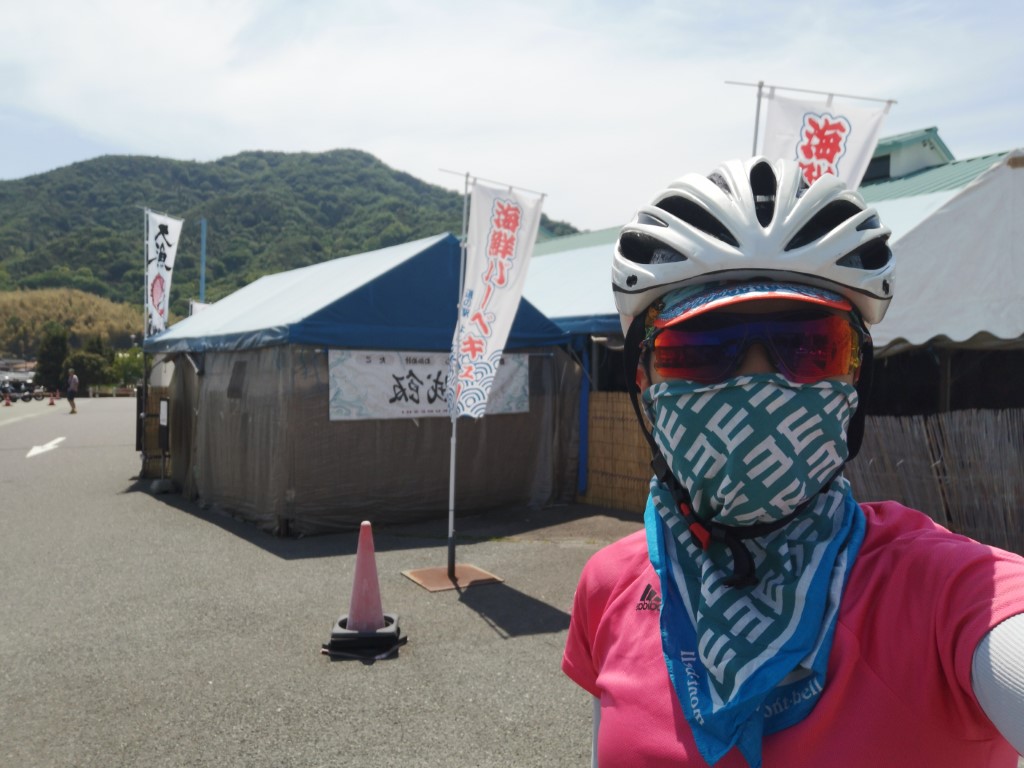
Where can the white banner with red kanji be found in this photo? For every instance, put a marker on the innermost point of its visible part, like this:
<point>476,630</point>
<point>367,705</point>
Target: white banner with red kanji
<point>502,231</point>
<point>822,137</point>
<point>162,233</point>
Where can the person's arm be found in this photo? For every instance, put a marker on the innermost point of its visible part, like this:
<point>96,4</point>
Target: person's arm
<point>597,724</point>
<point>997,676</point>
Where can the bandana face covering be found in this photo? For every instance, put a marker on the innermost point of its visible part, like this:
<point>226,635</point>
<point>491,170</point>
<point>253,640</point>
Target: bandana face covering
<point>753,448</point>
<point>749,661</point>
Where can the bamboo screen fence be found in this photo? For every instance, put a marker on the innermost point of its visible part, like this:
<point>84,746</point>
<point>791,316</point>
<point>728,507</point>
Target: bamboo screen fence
<point>964,468</point>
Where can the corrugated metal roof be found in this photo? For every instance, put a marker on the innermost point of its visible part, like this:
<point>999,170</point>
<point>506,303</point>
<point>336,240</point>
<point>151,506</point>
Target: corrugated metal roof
<point>579,240</point>
<point>889,144</point>
<point>954,175</point>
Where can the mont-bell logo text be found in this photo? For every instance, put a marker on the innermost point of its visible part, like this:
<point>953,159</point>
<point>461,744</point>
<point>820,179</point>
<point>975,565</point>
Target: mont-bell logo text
<point>649,600</point>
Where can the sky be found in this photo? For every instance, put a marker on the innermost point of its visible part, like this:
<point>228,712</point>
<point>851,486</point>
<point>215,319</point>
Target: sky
<point>597,105</point>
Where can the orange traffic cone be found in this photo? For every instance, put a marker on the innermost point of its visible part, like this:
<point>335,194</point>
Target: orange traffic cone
<point>7,398</point>
<point>365,613</point>
<point>365,632</point>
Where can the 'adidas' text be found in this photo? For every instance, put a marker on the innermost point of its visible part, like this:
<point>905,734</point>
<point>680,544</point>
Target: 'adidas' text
<point>649,600</point>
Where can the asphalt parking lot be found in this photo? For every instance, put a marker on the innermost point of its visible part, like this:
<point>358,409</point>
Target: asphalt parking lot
<point>137,629</point>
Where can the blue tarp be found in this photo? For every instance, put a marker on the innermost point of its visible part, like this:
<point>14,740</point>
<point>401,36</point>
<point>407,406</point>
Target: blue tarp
<point>404,298</point>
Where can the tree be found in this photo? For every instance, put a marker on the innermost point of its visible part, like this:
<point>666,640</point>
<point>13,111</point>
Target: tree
<point>95,345</point>
<point>53,351</point>
<point>128,367</point>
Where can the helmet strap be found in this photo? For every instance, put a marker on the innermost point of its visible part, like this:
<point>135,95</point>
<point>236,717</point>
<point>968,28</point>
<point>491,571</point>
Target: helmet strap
<point>855,432</point>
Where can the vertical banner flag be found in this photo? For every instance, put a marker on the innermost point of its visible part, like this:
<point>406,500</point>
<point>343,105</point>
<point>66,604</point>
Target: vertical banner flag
<point>821,137</point>
<point>162,234</point>
<point>500,238</point>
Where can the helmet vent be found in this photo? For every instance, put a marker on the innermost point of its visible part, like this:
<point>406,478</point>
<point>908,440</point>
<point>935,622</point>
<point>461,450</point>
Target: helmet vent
<point>644,249</point>
<point>697,217</point>
<point>823,222</point>
<point>870,256</point>
<point>802,186</point>
<point>719,181</point>
<point>871,222</point>
<point>763,184</point>
<point>646,218</point>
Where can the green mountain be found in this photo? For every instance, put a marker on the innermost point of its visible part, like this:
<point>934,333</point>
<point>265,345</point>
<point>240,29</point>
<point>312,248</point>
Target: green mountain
<point>81,226</point>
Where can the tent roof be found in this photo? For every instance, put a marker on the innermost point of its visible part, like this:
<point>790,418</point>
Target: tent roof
<point>404,297</point>
<point>960,271</point>
<point>970,210</point>
<point>572,285</point>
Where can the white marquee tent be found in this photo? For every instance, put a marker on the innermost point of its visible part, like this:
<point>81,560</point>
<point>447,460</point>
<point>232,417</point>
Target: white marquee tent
<point>959,262</point>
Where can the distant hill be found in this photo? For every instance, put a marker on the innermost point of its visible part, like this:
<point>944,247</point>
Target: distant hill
<point>81,227</point>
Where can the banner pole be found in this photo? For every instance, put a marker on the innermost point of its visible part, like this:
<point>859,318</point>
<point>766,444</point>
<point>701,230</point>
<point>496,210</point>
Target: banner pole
<point>757,116</point>
<point>202,260</point>
<point>145,274</point>
<point>455,416</point>
<point>761,83</point>
<point>141,416</point>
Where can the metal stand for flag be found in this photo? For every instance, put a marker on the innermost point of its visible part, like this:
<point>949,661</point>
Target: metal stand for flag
<point>454,576</point>
<point>457,576</point>
<point>761,85</point>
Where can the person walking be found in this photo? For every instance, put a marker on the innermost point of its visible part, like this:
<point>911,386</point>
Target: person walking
<point>764,616</point>
<point>72,389</point>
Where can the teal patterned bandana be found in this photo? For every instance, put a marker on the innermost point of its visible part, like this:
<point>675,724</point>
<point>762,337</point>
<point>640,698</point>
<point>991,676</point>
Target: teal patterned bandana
<point>749,661</point>
<point>753,448</point>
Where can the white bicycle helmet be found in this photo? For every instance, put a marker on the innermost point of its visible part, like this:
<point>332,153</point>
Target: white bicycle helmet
<point>754,220</point>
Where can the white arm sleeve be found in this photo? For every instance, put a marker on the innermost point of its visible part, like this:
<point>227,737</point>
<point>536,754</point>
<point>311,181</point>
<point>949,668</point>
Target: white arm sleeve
<point>597,724</point>
<point>997,676</point>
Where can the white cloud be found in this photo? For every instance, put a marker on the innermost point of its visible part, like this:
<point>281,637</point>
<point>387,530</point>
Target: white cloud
<point>597,104</point>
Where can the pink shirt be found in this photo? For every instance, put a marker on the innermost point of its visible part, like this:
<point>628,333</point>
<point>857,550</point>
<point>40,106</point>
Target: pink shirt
<point>898,688</point>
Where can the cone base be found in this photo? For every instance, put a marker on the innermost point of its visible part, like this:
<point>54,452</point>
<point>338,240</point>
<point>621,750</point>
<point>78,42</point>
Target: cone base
<point>437,580</point>
<point>348,644</point>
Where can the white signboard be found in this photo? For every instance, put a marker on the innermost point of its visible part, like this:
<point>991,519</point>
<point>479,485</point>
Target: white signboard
<point>401,385</point>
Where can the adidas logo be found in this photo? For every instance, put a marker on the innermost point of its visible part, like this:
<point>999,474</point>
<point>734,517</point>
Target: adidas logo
<point>649,600</point>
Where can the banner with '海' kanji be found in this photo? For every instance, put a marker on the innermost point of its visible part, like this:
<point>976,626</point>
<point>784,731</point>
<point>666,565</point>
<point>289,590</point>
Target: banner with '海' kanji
<point>822,137</point>
<point>500,238</point>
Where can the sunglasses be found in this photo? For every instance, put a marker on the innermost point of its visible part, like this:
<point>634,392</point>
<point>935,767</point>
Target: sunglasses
<point>805,345</point>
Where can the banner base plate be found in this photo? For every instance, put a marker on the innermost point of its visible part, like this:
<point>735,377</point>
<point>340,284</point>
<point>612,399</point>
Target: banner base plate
<point>437,580</point>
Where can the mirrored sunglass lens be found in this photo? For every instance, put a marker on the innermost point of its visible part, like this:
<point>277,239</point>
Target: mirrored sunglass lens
<point>806,346</point>
<point>810,350</point>
<point>703,356</point>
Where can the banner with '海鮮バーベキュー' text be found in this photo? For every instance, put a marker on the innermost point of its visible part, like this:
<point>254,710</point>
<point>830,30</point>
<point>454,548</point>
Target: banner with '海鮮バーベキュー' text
<point>500,239</point>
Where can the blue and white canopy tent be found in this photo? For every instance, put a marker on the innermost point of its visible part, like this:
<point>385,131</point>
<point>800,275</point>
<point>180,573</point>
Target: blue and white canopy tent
<point>404,297</point>
<point>252,399</point>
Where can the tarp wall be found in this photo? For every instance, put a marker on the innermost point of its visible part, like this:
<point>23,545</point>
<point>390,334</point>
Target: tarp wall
<point>265,450</point>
